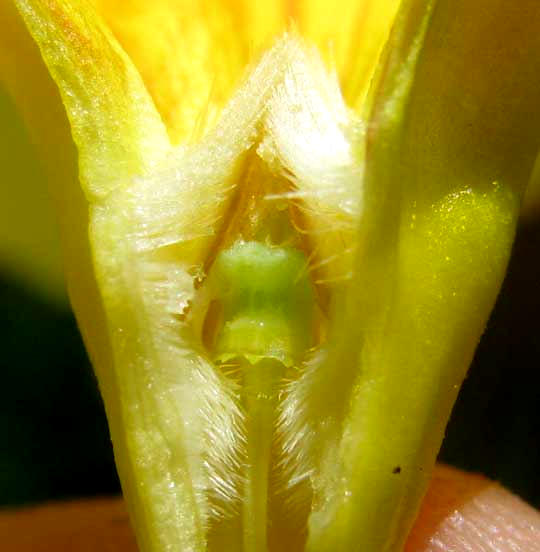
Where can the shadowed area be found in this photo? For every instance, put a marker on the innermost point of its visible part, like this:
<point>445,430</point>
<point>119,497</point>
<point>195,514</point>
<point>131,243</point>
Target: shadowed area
<point>495,425</point>
<point>54,440</point>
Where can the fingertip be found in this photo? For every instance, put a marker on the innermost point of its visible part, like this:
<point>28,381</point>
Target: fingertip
<point>463,512</point>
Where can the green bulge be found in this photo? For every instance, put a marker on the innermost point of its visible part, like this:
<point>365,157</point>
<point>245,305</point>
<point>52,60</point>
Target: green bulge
<point>267,303</point>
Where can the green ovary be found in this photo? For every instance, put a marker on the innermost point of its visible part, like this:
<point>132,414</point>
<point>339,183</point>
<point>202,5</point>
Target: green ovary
<point>267,303</point>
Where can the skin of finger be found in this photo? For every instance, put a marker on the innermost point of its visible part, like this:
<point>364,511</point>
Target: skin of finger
<point>461,512</point>
<point>78,526</point>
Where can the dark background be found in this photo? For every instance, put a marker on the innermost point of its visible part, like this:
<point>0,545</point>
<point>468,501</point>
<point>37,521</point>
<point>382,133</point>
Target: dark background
<point>54,442</point>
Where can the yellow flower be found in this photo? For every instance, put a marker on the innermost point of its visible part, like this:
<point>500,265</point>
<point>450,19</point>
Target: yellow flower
<point>298,218</point>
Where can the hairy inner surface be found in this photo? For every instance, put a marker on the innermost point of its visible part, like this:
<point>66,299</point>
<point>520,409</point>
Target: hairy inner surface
<point>242,242</point>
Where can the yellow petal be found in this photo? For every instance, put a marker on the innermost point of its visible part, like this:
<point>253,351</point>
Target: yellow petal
<point>190,55</point>
<point>351,34</point>
<point>221,37</point>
